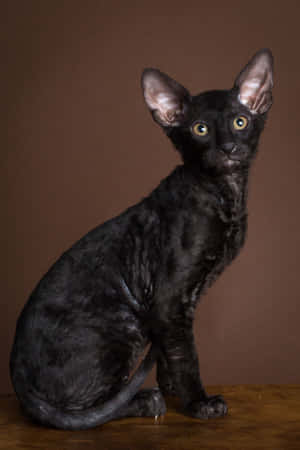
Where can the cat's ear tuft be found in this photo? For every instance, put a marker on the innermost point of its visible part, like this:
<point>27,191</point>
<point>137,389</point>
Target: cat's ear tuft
<point>255,82</point>
<point>167,100</point>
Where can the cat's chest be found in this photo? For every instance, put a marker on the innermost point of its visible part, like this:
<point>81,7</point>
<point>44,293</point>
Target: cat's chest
<point>224,241</point>
<point>218,257</point>
<point>234,237</point>
<point>232,213</point>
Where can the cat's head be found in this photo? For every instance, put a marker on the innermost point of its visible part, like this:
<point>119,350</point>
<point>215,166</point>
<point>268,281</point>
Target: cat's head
<point>216,130</point>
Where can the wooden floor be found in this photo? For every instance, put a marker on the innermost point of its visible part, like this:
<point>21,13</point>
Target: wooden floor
<point>260,417</point>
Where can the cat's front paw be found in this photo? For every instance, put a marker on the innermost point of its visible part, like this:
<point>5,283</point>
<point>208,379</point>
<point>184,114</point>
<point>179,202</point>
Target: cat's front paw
<point>212,406</point>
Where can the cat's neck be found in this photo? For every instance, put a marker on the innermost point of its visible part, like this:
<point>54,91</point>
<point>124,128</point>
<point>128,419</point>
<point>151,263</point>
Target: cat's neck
<point>230,189</point>
<point>234,191</point>
<point>234,186</point>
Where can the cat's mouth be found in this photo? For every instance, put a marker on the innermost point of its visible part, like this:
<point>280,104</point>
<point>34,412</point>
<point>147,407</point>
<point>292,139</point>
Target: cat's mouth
<point>231,163</point>
<point>232,158</point>
<point>235,158</point>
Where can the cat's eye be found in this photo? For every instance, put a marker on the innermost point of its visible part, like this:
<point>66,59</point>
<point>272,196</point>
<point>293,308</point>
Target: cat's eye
<point>240,122</point>
<point>200,129</point>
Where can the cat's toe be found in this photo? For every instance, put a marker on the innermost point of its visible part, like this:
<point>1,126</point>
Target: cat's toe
<point>152,402</point>
<point>212,407</point>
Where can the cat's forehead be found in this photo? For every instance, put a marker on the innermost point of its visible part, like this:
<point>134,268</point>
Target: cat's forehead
<point>212,102</point>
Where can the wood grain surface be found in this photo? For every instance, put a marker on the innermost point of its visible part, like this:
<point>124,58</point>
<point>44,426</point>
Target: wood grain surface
<point>260,417</point>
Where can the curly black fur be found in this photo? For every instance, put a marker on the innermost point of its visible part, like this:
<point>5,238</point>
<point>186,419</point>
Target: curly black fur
<point>137,278</point>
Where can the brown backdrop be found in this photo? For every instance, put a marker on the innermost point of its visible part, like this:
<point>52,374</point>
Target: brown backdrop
<point>78,147</point>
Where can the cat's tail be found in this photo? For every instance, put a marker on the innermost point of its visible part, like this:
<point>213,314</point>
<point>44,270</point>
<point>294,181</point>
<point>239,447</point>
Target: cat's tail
<point>48,415</point>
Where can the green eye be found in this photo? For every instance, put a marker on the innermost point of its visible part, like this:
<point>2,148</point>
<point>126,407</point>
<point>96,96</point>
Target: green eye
<point>240,122</point>
<point>200,129</point>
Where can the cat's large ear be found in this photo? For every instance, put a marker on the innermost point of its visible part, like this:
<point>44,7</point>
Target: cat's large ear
<point>167,100</point>
<point>255,82</point>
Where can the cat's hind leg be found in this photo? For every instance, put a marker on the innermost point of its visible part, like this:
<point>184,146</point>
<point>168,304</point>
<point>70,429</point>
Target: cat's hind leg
<point>146,403</point>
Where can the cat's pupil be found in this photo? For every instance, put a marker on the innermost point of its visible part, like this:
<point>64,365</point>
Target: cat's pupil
<point>201,128</point>
<point>240,122</point>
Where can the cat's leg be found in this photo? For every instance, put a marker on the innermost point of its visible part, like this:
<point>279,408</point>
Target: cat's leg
<point>178,347</point>
<point>163,377</point>
<point>146,403</point>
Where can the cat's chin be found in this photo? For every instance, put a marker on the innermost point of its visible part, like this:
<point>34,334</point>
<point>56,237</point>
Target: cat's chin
<point>230,164</point>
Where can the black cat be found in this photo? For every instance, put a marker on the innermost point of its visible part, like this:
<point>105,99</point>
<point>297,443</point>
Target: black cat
<point>137,278</point>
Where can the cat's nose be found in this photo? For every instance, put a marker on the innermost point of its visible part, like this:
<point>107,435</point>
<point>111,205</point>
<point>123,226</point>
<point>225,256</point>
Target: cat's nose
<point>228,147</point>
